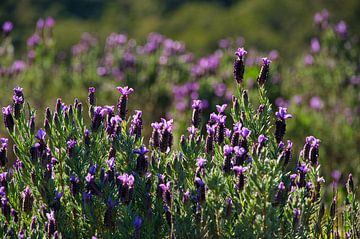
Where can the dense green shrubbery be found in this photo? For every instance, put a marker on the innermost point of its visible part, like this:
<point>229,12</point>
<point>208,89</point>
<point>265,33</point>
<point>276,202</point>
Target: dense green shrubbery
<point>74,179</point>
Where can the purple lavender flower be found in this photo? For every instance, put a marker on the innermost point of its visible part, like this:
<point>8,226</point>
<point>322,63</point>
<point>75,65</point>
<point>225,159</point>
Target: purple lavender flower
<point>97,118</point>
<point>315,45</point>
<point>167,136</point>
<point>220,129</point>
<point>155,136</point>
<point>70,147</point>
<point>308,60</point>
<point>260,144</point>
<point>126,187</point>
<point>192,130</point>
<point>245,132</point>
<point>18,102</point>
<point>186,197</point>
<point>316,103</point>
<point>239,151</point>
<point>196,116</point>
<point>91,96</point>
<point>209,144</point>
<point>239,66</point>
<point>125,90</point>
<point>166,193</point>
<point>3,179</point>
<point>229,206</point>
<point>8,119</point>
<point>27,200</point>
<point>18,165</point>
<point>33,223</point>
<point>7,27</point>
<point>240,52</point>
<point>303,170</point>
<point>200,162</point>
<point>341,29</point>
<point>200,186</point>
<point>49,22</point>
<point>41,135</point>
<point>321,18</point>
<point>221,109</point>
<point>33,41</point>
<point>228,150</point>
<point>3,151</point>
<point>296,213</point>
<point>136,124</point>
<point>40,24</point>
<point>141,162</point>
<point>122,103</point>
<point>17,67</point>
<point>239,171</point>
<point>5,208</point>
<point>282,114</point>
<point>51,223</point>
<point>336,175</point>
<point>262,139</point>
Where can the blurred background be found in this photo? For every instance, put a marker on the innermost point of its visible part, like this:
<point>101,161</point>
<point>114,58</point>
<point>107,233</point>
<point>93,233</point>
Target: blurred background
<point>314,46</point>
<point>284,25</point>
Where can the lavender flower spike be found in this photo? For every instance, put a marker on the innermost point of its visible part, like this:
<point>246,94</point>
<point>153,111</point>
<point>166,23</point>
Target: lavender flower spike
<point>264,71</point>
<point>196,116</point>
<point>8,119</point>
<point>280,124</point>
<point>122,103</point>
<point>239,66</point>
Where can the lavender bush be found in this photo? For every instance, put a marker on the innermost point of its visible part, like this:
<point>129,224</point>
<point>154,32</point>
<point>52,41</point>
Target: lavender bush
<point>324,93</point>
<point>103,179</point>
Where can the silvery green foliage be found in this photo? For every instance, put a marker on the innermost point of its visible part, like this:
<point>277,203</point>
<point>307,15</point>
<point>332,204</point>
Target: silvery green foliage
<point>78,179</point>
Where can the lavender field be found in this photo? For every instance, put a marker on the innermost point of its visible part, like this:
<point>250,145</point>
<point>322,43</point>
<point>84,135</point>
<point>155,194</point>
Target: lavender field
<point>123,138</point>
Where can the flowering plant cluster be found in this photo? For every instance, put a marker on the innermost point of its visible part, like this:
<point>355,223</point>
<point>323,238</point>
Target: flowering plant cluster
<point>324,93</point>
<point>102,179</point>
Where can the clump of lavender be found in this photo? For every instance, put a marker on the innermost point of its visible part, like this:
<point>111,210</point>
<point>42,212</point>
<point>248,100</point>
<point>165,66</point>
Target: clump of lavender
<point>77,179</point>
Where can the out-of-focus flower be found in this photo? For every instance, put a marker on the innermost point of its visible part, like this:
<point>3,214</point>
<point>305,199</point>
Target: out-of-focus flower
<point>308,60</point>
<point>49,22</point>
<point>341,29</point>
<point>316,103</point>
<point>7,27</point>
<point>315,45</point>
